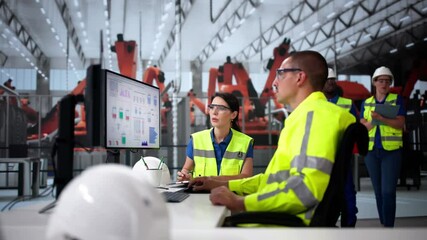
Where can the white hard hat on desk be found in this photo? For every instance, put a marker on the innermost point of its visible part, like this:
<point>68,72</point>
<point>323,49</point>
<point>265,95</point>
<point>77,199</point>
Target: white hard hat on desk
<point>109,202</point>
<point>146,165</point>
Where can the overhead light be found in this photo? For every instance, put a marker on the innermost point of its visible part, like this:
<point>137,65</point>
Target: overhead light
<point>367,35</point>
<point>349,4</point>
<point>302,33</point>
<point>76,3</point>
<point>409,45</point>
<point>315,25</point>
<point>330,15</point>
<point>394,50</point>
<point>168,6</point>
<point>352,43</point>
<point>161,26</point>
<point>79,14</point>
<point>424,9</point>
<point>52,29</point>
<point>48,21</point>
<point>106,13</point>
<point>251,11</point>
<point>43,11</point>
<point>84,33</point>
<point>404,18</point>
<point>164,17</point>
<point>82,24</point>
<point>385,28</point>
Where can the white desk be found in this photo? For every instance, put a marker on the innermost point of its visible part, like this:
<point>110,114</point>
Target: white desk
<point>199,222</point>
<point>195,212</point>
<point>25,183</point>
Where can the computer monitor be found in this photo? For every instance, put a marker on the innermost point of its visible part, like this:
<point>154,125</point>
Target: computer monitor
<point>132,113</point>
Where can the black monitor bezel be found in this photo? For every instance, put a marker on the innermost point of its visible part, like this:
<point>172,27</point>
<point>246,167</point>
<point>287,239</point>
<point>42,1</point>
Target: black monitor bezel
<point>106,71</point>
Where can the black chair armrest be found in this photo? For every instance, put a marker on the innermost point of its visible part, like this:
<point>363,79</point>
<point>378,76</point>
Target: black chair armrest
<point>268,218</point>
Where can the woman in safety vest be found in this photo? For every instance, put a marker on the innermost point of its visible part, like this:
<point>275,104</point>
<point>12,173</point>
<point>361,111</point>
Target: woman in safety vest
<point>384,158</point>
<point>223,150</point>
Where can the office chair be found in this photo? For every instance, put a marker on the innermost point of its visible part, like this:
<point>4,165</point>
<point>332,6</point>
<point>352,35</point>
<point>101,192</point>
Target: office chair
<point>333,202</point>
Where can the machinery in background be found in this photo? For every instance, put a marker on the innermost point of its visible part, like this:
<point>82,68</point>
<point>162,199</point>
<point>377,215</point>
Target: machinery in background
<point>252,113</point>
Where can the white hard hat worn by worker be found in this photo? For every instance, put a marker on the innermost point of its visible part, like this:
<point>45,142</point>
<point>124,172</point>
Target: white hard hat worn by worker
<point>331,73</point>
<point>382,71</point>
<point>109,202</point>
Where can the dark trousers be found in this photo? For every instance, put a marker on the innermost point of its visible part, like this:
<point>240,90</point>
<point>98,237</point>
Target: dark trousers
<point>384,169</point>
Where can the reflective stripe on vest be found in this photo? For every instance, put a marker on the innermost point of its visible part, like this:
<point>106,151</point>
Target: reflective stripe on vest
<point>344,103</point>
<point>391,138</point>
<point>300,161</point>
<point>204,154</point>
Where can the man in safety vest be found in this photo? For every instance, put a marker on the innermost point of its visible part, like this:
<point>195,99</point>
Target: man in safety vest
<point>298,174</point>
<point>349,218</point>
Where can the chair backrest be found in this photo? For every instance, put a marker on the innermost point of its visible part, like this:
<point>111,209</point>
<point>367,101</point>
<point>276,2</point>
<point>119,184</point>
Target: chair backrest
<point>333,202</point>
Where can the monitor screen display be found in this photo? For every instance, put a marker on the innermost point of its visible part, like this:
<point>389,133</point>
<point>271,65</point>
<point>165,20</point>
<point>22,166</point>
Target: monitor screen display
<point>132,113</point>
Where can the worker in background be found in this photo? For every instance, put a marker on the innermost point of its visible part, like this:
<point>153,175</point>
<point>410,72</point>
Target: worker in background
<point>331,91</point>
<point>298,174</point>
<point>223,150</point>
<point>349,218</point>
<point>166,108</point>
<point>384,158</point>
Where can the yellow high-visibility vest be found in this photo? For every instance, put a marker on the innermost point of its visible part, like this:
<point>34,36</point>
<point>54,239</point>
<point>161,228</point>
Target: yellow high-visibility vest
<point>298,174</point>
<point>391,138</point>
<point>232,161</point>
<point>344,103</point>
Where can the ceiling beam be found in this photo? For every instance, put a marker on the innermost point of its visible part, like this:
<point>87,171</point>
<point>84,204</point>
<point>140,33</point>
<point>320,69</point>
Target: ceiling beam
<point>185,10</point>
<point>72,33</point>
<point>231,25</point>
<point>280,28</point>
<point>10,19</point>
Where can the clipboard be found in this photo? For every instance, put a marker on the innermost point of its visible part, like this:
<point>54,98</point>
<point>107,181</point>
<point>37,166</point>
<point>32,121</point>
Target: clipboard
<point>387,111</point>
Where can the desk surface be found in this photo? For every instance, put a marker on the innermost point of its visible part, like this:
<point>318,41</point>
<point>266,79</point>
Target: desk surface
<point>195,218</point>
<point>195,212</point>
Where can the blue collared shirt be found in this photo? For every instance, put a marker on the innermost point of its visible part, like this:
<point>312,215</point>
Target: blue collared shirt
<point>219,149</point>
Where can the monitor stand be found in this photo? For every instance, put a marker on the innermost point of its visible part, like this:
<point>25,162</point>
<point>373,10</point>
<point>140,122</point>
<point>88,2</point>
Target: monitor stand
<point>65,145</point>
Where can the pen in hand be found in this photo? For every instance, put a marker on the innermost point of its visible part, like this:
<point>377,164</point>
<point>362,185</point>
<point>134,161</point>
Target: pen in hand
<point>184,176</point>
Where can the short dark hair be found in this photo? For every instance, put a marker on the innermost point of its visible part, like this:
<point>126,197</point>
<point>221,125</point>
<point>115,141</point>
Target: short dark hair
<point>234,105</point>
<point>314,65</point>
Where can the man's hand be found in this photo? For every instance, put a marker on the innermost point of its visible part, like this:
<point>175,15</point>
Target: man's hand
<point>223,196</point>
<point>205,183</point>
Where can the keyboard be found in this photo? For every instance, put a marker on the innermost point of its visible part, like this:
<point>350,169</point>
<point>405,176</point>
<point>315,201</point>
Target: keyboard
<point>175,197</point>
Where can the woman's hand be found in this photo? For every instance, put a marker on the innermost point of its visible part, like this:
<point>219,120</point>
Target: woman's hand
<point>184,175</point>
<point>367,124</point>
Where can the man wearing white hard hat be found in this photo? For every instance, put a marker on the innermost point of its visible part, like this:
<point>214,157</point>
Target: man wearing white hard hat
<point>348,218</point>
<point>384,157</point>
